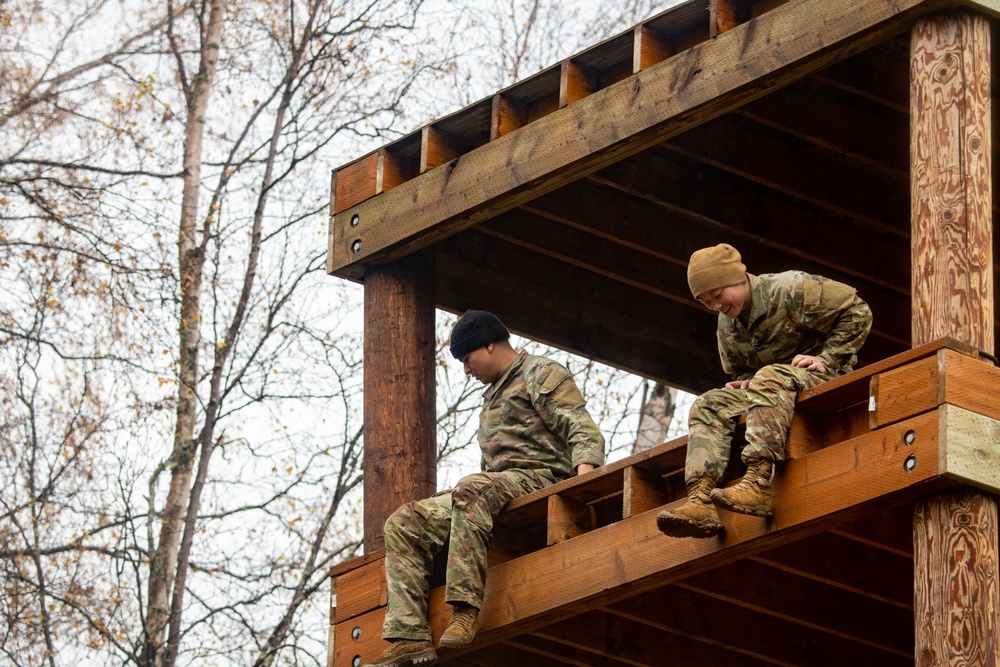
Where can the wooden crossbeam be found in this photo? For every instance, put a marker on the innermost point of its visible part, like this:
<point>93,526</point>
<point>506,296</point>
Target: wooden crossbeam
<point>703,82</point>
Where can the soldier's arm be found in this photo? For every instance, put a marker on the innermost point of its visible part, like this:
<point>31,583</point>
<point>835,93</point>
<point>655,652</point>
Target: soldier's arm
<point>564,412</point>
<point>836,308</point>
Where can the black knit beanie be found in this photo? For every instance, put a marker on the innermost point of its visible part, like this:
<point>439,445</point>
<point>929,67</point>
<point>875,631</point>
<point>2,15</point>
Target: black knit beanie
<point>475,329</point>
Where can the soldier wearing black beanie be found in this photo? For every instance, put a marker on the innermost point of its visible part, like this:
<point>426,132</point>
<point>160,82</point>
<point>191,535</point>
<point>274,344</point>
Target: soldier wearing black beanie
<point>534,430</point>
<point>475,329</point>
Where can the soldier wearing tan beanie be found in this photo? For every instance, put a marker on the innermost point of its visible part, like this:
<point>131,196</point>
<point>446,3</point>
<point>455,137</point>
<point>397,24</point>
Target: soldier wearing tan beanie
<point>778,334</point>
<point>713,268</point>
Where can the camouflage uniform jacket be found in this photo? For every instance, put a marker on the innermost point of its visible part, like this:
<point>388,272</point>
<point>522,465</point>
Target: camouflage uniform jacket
<point>534,417</point>
<point>794,313</point>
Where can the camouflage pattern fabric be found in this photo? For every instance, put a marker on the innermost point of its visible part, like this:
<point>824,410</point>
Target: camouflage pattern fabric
<point>461,518</point>
<point>794,313</point>
<point>534,418</point>
<point>790,313</point>
<point>769,402</point>
<point>534,430</point>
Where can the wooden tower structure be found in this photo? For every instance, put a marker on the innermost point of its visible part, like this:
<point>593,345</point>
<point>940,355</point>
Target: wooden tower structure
<point>849,138</point>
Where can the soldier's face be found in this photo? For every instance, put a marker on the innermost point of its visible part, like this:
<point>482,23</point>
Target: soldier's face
<point>731,301</point>
<point>480,364</point>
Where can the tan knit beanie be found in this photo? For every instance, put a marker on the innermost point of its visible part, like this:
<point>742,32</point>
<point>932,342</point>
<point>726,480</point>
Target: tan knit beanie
<point>715,267</point>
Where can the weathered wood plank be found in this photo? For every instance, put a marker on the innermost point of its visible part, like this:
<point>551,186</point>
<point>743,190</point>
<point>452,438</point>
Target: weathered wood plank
<point>650,47</point>
<point>568,519</point>
<point>643,492</point>
<point>355,183</point>
<point>361,590</point>
<point>662,101</point>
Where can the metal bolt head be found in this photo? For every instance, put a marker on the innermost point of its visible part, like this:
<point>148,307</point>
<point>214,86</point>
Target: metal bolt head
<point>356,246</point>
<point>355,219</point>
<point>356,662</point>
<point>910,463</point>
<point>909,437</point>
<point>356,633</point>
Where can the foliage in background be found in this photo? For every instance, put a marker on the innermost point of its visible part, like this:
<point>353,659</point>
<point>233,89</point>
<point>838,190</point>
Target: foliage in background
<point>106,231</point>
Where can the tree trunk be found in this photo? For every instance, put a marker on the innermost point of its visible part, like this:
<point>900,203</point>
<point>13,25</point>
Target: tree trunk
<point>190,262</point>
<point>654,422</point>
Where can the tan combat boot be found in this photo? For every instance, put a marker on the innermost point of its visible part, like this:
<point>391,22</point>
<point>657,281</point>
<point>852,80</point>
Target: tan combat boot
<point>463,627</point>
<point>405,652</point>
<point>695,518</point>
<point>753,493</point>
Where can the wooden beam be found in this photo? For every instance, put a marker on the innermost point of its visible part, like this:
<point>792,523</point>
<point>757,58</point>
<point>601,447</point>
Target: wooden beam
<point>399,392</point>
<point>812,494</point>
<point>705,81</point>
<point>714,616</point>
<point>991,7</point>
<point>541,304</point>
<point>971,449</point>
<point>793,594</point>
<point>785,167</point>
<point>815,558</point>
<point>955,552</point>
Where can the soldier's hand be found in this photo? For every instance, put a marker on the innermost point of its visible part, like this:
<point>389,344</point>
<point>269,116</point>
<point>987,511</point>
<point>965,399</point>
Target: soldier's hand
<point>738,384</point>
<point>809,362</point>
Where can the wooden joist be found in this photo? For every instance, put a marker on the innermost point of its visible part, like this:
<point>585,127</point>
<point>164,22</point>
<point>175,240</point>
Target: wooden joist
<point>687,89</point>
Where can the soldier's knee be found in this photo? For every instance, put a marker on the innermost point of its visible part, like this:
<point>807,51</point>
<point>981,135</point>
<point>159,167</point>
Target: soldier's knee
<point>774,376</point>
<point>468,490</point>
<point>402,523</point>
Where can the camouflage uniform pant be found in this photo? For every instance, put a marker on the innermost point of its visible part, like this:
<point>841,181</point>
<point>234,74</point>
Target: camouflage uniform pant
<point>463,519</point>
<point>768,401</point>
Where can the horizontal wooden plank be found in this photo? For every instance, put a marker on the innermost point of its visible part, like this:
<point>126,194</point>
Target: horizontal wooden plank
<point>948,377</point>
<point>833,559</point>
<point>625,118</point>
<point>811,494</point>
<point>360,590</point>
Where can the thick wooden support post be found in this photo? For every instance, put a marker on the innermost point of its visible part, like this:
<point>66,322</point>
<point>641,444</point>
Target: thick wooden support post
<point>400,438</point>
<point>952,259</point>
<point>955,533</point>
<point>955,571</point>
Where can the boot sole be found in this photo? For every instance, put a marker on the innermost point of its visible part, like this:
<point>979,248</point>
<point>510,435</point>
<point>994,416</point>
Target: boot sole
<point>720,501</point>
<point>451,643</point>
<point>675,526</point>
<point>425,657</point>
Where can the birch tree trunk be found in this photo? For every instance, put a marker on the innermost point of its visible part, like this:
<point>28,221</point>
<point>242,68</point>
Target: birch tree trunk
<point>654,422</point>
<point>191,258</point>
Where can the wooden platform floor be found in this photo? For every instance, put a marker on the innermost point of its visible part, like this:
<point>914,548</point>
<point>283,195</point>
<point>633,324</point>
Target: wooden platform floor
<point>580,575</point>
